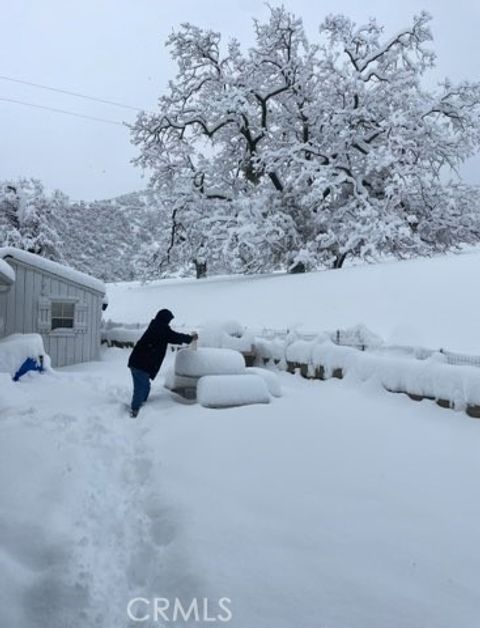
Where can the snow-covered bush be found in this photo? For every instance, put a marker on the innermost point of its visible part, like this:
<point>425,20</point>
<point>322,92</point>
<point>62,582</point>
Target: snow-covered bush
<point>270,349</point>
<point>223,391</point>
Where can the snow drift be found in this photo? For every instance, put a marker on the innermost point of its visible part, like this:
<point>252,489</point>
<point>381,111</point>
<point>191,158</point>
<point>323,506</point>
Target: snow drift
<point>223,391</point>
<point>270,379</point>
<point>17,348</point>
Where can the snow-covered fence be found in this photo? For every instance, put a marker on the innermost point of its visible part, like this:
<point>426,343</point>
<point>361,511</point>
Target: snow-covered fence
<point>363,339</point>
<point>225,335</point>
<point>450,379</point>
<point>421,353</point>
<point>121,335</point>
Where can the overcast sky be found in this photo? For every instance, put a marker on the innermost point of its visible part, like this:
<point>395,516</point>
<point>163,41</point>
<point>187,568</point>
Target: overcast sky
<point>114,49</point>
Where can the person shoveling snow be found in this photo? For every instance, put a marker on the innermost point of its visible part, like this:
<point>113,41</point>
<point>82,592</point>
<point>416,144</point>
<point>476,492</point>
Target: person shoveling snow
<point>148,354</point>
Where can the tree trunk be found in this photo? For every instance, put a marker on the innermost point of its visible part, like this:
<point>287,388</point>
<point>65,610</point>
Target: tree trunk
<point>299,267</point>
<point>200,268</point>
<point>339,260</point>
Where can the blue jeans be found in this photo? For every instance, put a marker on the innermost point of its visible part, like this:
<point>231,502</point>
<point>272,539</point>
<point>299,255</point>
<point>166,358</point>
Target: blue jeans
<point>141,388</point>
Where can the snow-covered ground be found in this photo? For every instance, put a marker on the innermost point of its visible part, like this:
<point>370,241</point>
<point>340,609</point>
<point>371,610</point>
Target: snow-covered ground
<point>335,505</point>
<point>430,302</point>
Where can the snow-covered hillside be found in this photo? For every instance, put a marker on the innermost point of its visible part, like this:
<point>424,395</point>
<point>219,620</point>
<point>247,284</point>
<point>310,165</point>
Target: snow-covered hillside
<point>431,302</point>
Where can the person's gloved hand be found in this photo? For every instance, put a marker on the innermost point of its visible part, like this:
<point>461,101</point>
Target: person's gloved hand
<point>194,335</point>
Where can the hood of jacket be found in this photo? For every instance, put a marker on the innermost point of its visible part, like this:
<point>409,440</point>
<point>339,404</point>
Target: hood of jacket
<point>163,317</point>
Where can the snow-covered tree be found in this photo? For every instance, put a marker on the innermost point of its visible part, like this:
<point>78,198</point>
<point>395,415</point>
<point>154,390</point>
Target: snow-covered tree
<point>115,239</point>
<point>29,217</point>
<point>299,154</point>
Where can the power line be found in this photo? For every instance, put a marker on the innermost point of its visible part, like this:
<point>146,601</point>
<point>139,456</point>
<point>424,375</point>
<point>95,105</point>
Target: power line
<point>64,111</point>
<point>70,93</point>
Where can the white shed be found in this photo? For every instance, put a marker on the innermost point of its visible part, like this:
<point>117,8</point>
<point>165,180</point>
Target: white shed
<point>47,298</point>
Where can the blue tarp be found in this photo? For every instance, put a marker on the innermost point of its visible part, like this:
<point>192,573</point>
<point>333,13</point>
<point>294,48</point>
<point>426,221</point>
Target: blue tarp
<point>29,365</point>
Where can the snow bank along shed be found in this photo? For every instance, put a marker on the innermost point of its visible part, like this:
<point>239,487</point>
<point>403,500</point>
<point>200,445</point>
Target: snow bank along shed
<point>48,298</point>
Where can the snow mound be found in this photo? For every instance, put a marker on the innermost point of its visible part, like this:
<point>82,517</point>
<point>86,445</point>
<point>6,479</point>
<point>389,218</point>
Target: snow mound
<point>270,379</point>
<point>227,335</point>
<point>223,391</point>
<point>15,349</point>
<point>208,361</point>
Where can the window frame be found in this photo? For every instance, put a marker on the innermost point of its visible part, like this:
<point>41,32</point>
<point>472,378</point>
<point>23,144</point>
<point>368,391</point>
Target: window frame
<point>80,315</point>
<point>62,303</point>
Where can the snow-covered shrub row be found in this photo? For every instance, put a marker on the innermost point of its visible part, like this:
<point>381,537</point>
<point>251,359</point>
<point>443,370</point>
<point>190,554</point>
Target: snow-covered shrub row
<point>223,391</point>
<point>15,349</point>
<point>426,378</point>
<point>432,377</point>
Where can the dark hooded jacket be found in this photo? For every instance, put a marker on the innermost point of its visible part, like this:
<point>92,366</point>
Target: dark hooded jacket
<point>149,352</point>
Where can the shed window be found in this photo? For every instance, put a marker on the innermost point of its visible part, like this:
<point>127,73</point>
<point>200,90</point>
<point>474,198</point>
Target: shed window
<point>63,315</point>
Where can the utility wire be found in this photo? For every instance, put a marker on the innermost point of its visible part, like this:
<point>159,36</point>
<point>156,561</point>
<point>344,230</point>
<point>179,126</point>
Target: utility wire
<point>65,111</point>
<point>65,91</point>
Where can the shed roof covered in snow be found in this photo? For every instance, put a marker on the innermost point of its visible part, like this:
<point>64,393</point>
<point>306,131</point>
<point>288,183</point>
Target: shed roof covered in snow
<point>54,268</point>
<point>7,274</point>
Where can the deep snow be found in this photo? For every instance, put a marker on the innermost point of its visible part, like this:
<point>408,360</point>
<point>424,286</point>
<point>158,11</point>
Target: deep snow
<point>431,302</point>
<point>335,505</point>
